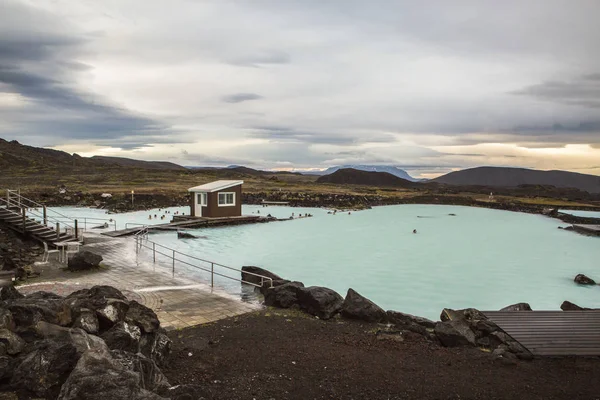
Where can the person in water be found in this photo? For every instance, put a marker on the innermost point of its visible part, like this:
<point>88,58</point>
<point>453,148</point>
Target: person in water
<point>414,231</point>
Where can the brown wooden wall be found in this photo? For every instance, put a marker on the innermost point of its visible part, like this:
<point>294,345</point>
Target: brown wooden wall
<point>192,205</point>
<point>213,210</point>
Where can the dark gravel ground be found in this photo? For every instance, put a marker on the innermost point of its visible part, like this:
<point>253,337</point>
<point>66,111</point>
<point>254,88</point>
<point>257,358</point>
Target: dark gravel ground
<point>281,354</point>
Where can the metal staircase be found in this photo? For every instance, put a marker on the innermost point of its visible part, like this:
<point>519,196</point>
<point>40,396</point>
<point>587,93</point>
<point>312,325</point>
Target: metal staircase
<point>31,218</point>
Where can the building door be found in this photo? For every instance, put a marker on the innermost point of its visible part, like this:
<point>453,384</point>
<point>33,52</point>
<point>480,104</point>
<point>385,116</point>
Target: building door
<point>200,202</point>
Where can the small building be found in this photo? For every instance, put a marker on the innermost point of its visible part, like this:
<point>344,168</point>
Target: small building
<point>217,199</point>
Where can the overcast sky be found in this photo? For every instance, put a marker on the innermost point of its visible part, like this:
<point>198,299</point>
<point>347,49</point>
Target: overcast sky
<point>430,86</point>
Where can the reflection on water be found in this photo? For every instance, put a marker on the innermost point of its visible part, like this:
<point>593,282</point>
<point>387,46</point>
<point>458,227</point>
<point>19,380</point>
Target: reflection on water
<point>476,258</point>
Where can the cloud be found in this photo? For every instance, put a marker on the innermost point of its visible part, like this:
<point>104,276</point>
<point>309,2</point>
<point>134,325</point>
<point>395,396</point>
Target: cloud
<point>241,97</point>
<point>582,91</point>
<point>261,59</point>
<point>380,81</point>
<point>41,70</point>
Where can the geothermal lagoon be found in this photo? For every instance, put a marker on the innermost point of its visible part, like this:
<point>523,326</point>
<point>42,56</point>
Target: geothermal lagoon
<point>477,257</point>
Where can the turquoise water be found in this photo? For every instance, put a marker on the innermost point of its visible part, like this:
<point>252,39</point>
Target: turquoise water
<point>579,213</point>
<point>479,258</point>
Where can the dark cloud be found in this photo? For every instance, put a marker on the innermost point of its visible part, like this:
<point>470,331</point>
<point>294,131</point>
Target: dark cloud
<point>42,69</point>
<point>240,97</point>
<point>583,91</point>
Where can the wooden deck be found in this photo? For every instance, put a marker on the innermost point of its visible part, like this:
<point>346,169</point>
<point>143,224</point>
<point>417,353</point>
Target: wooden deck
<point>189,222</point>
<point>587,229</point>
<point>552,333</point>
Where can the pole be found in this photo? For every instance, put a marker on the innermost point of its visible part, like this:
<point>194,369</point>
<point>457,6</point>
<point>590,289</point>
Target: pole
<point>57,230</point>
<point>132,199</point>
<point>153,252</point>
<point>173,263</point>
<point>24,217</point>
<point>76,234</point>
<point>45,217</point>
<point>212,274</point>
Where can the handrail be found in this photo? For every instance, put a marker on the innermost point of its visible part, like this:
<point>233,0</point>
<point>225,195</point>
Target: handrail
<point>44,218</point>
<point>173,256</point>
<point>85,220</point>
<point>21,197</point>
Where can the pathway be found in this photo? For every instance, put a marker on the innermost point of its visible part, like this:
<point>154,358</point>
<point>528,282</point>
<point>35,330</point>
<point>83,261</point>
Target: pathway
<point>178,302</point>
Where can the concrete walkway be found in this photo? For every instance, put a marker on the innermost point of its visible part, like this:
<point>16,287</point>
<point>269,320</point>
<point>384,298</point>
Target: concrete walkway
<point>178,302</point>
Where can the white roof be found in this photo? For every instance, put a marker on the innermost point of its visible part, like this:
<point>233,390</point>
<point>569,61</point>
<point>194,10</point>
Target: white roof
<point>215,186</point>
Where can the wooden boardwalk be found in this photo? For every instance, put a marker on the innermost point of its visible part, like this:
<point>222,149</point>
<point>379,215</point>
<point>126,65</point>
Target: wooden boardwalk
<point>188,222</point>
<point>587,229</point>
<point>552,333</point>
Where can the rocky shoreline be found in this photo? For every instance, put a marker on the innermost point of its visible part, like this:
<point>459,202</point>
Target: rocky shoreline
<point>466,327</point>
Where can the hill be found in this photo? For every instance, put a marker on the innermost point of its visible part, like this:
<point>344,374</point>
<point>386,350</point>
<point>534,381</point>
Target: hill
<point>14,155</point>
<point>17,156</point>
<point>350,176</point>
<point>129,162</point>
<point>513,177</point>
<point>390,169</point>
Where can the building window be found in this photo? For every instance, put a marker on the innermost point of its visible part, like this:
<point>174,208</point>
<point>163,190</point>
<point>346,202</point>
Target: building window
<point>226,199</point>
<point>202,199</point>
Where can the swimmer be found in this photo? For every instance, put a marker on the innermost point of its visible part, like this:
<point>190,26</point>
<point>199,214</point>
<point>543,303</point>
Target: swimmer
<point>414,231</point>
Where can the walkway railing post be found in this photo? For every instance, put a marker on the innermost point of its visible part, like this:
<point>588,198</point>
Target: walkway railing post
<point>24,217</point>
<point>173,263</point>
<point>212,274</point>
<point>57,230</point>
<point>45,217</point>
<point>76,234</point>
<point>153,252</point>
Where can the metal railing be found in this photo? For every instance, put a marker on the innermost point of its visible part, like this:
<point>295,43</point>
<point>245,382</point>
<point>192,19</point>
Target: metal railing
<point>109,222</point>
<point>141,239</point>
<point>49,217</point>
<point>48,221</point>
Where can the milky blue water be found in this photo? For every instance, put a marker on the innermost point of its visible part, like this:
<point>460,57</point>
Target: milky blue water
<point>479,258</point>
<point>580,213</point>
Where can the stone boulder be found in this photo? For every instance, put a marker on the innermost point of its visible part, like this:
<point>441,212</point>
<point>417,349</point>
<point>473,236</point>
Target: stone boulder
<point>248,271</point>
<point>44,370</point>
<point>150,376</point>
<point>156,346</point>
<point>319,301</point>
<point>7,366</point>
<point>283,296</point>
<point>268,285</point>
<point>84,260</point>
<point>399,318</point>
<point>142,317</point>
<point>359,307</point>
<point>517,307</point>
<point>74,336</point>
<point>13,344</point>
<point>123,336</point>
<point>568,306</point>
<point>9,292</point>
<point>27,312</point>
<point>455,333</point>
<point>109,304</point>
<point>583,280</point>
<point>6,319</point>
<point>185,235</point>
<point>87,320</point>
<point>97,376</point>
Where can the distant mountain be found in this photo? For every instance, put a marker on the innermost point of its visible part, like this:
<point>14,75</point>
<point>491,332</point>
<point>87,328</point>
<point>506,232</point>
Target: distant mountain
<point>129,162</point>
<point>512,177</point>
<point>350,176</point>
<point>390,169</point>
